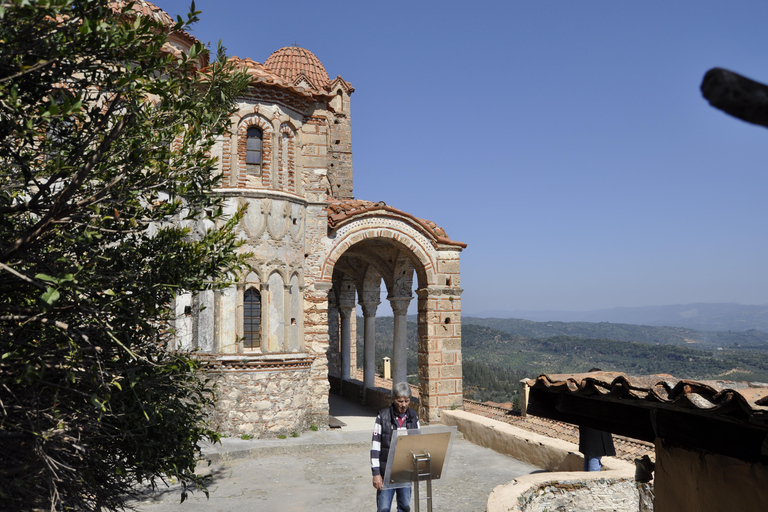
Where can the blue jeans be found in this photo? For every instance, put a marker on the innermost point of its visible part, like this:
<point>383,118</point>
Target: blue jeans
<point>592,463</point>
<point>384,499</point>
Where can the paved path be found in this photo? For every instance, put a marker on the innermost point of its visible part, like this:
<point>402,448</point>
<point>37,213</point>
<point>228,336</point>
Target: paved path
<point>329,471</point>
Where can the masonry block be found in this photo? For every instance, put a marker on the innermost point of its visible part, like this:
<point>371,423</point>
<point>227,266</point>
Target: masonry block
<point>445,387</point>
<point>450,371</point>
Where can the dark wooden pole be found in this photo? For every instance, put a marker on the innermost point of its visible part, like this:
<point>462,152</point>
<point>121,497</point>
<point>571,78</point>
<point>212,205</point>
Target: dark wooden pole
<point>736,95</point>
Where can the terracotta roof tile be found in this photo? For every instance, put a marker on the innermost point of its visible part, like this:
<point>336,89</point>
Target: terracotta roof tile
<point>626,448</point>
<point>294,63</point>
<point>144,8</point>
<point>724,398</point>
<point>261,74</point>
<point>148,9</point>
<point>341,211</point>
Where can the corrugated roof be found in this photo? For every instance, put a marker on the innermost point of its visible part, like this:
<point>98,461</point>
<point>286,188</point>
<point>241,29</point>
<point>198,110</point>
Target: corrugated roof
<point>341,211</point>
<point>738,400</point>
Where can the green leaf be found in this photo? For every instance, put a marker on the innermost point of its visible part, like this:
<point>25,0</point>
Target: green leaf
<point>50,296</point>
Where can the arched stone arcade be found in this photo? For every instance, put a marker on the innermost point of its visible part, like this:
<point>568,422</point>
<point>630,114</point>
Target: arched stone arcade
<point>374,244</point>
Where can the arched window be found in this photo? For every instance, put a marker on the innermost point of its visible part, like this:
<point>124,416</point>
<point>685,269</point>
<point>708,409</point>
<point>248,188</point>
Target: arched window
<point>253,151</point>
<point>251,319</point>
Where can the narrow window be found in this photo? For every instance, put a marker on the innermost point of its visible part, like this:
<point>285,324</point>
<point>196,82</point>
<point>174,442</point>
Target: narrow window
<point>251,319</point>
<point>253,151</point>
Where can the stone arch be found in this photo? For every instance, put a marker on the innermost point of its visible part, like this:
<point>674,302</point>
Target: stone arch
<point>294,342</point>
<point>397,246</point>
<point>253,276</point>
<point>258,121</point>
<point>278,267</point>
<point>275,306</point>
<point>402,235</point>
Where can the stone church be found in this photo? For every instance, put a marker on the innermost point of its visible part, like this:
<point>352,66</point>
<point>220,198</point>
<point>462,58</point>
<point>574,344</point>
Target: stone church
<point>275,340</point>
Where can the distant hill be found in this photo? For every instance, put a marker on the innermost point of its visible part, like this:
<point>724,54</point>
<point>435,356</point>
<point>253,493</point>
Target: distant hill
<point>498,352</point>
<point>701,316</point>
<point>654,335</point>
<point>568,354</point>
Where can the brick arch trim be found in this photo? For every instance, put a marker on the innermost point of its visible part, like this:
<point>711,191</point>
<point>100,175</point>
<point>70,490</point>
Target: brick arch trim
<point>286,160</point>
<point>397,231</point>
<point>258,121</point>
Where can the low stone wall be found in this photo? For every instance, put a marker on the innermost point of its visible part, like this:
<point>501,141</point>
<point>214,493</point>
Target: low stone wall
<point>265,396</point>
<point>580,495</point>
<point>564,486</point>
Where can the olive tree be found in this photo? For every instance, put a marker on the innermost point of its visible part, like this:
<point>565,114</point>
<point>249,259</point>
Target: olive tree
<point>106,213</point>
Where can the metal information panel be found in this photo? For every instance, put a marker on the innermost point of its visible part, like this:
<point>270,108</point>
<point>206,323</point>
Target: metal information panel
<point>406,444</point>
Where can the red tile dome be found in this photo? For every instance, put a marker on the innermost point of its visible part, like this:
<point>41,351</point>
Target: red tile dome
<point>290,62</point>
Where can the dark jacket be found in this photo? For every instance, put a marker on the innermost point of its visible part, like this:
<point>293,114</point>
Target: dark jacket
<point>595,443</point>
<point>387,422</point>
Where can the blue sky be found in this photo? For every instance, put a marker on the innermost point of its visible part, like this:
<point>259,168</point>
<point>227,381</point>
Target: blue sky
<point>566,142</point>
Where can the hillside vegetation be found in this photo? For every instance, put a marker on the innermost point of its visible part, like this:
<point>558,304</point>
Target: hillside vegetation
<point>497,353</point>
<point>751,339</point>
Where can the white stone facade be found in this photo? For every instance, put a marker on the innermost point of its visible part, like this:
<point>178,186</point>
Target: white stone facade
<point>269,338</point>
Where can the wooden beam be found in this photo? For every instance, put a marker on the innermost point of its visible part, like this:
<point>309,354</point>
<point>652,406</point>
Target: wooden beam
<point>691,429</point>
<point>617,418</point>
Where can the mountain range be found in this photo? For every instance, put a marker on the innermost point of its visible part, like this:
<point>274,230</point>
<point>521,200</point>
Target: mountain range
<point>699,316</point>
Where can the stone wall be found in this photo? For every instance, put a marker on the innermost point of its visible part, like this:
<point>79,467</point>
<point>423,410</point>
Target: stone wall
<point>264,396</point>
<point>563,486</point>
<point>601,495</point>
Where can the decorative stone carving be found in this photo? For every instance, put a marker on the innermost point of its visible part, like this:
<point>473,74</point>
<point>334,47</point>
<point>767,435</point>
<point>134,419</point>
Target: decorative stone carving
<point>297,218</point>
<point>254,220</point>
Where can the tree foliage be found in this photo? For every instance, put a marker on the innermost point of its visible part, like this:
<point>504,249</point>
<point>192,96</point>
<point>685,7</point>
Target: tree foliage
<point>105,215</point>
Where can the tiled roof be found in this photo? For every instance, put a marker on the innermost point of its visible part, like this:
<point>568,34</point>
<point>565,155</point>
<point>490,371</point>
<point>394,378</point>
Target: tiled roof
<point>626,448</point>
<point>148,9</point>
<point>737,400</point>
<point>341,211</point>
<point>262,75</point>
<point>144,8</point>
<point>293,62</point>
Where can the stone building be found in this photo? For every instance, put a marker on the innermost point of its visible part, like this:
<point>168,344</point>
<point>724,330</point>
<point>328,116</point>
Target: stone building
<point>274,339</point>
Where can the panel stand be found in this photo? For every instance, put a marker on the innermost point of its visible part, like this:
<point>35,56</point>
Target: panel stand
<point>417,456</point>
<point>422,470</point>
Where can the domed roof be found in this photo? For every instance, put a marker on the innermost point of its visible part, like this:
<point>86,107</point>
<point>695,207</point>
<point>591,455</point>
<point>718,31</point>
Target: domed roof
<point>293,61</point>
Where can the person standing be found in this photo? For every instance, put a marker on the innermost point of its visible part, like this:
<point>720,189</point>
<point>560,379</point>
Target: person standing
<point>398,416</point>
<point>594,444</point>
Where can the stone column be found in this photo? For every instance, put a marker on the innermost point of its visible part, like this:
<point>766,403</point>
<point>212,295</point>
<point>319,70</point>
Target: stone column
<point>287,342</point>
<point>346,339</point>
<point>400,342</point>
<point>264,340</point>
<point>369,344</point>
<point>334,367</point>
<point>440,384</point>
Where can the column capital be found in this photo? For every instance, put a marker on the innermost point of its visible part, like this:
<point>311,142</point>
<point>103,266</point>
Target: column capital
<point>345,311</point>
<point>369,308</point>
<point>400,304</point>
